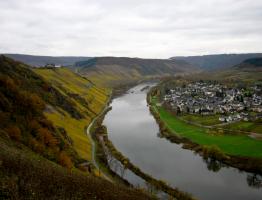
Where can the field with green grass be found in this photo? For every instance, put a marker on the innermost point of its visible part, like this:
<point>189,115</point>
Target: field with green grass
<point>209,120</point>
<point>255,127</point>
<point>240,145</point>
<point>213,120</point>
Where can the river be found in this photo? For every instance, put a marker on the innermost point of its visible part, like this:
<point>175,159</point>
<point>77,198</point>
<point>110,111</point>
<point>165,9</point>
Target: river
<point>134,132</point>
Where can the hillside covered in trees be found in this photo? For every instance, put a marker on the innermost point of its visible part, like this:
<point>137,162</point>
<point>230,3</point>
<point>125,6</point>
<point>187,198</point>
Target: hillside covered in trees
<point>38,154</point>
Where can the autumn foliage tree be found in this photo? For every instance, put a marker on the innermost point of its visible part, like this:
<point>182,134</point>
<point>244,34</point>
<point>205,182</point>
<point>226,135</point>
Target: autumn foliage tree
<point>33,125</point>
<point>30,104</point>
<point>37,103</point>
<point>14,133</point>
<point>65,160</point>
<point>9,84</point>
<point>46,137</point>
<point>36,146</point>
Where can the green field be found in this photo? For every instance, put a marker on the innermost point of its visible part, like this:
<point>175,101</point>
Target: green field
<point>211,120</point>
<point>202,120</point>
<point>240,145</point>
<point>255,127</point>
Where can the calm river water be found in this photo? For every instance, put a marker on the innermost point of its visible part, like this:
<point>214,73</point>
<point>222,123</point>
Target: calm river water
<point>134,132</point>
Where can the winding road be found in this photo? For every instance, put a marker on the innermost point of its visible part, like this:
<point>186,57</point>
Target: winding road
<point>93,143</point>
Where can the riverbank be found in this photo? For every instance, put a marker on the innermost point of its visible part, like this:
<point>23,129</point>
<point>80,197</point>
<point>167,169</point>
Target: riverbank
<point>98,155</point>
<point>228,149</point>
<point>102,169</point>
<point>100,158</point>
<point>88,132</point>
<point>101,137</point>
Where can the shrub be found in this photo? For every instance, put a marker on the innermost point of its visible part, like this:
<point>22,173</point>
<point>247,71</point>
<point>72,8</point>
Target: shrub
<point>213,152</point>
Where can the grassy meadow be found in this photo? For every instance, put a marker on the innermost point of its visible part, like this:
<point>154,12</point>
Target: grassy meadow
<point>202,120</point>
<point>255,127</point>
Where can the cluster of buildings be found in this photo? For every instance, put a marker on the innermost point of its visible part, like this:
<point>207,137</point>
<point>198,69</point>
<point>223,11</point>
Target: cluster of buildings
<point>51,65</point>
<point>207,98</point>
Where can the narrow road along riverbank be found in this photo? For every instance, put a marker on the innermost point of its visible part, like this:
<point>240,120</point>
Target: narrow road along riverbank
<point>93,143</point>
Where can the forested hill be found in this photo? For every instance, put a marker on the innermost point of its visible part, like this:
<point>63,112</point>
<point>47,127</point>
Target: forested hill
<point>43,143</point>
<point>122,69</point>
<point>43,60</point>
<point>219,61</point>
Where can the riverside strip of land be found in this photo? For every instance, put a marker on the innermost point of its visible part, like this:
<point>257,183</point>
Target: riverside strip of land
<point>239,145</point>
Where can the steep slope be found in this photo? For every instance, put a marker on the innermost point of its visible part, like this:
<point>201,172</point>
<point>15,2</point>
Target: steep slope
<point>216,62</point>
<point>43,60</point>
<point>27,175</point>
<point>89,99</point>
<point>24,97</point>
<point>47,108</point>
<point>42,129</point>
<point>118,70</point>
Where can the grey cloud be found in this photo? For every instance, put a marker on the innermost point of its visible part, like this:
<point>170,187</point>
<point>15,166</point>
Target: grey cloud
<point>144,28</point>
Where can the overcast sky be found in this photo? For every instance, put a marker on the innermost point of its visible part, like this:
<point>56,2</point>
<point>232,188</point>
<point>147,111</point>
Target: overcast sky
<point>136,28</point>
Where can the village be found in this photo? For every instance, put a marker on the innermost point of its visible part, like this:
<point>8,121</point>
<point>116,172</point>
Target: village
<point>209,98</point>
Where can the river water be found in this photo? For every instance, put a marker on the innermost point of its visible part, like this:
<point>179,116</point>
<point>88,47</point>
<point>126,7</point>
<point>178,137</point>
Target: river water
<point>134,132</point>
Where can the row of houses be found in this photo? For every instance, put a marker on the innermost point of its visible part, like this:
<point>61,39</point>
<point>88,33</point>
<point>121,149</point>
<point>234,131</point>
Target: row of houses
<point>206,98</point>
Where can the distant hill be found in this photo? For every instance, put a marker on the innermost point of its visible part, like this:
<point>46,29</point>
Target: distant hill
<point>116,70</point>
<point>219,61</point>
<point>252,64</point>
<point>249,71</point>
<point>43,60</point>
